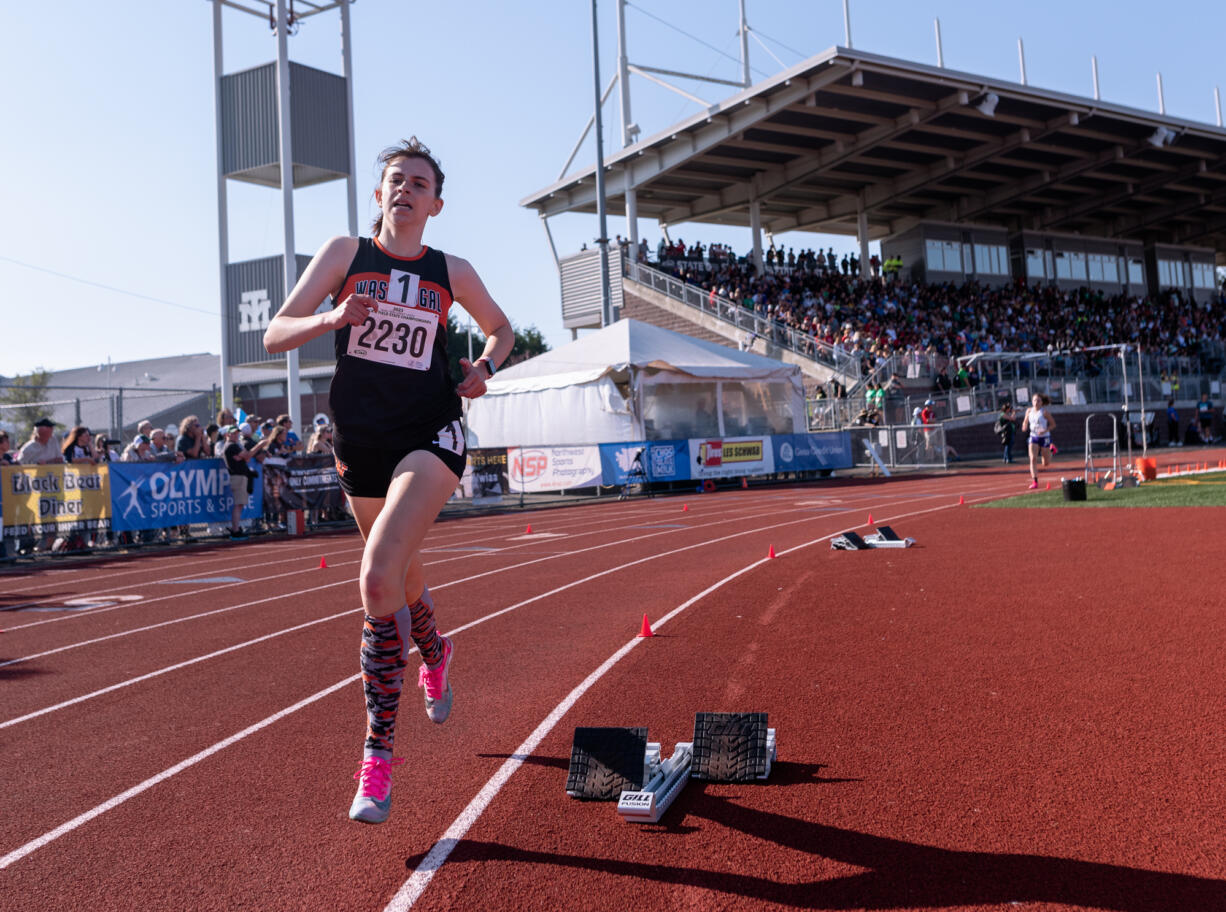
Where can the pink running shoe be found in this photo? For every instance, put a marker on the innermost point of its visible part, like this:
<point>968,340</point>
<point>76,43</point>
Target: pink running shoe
<point>1034,484</point>
<point>438,687</point>
<point>1053,449</point>
<point>373,802</point>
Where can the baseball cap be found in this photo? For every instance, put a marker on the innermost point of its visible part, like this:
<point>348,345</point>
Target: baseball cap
<point>245,428</point>
<point>139,439</point>
<point>44,422</point>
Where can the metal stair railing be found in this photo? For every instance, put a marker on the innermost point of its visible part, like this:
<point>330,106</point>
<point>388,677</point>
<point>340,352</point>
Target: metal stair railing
<point>733,314</point>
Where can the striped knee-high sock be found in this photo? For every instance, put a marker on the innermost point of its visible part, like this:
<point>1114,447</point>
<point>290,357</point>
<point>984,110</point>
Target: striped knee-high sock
<point>384,656</point>
<point>423,631</point>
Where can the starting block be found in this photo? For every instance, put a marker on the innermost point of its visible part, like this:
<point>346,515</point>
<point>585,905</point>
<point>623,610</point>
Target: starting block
<point>608,763</point>
<point>884,537</point>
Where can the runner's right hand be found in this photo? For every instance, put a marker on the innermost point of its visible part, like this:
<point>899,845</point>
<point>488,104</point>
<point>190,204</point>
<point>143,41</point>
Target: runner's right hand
<point>352,312</point>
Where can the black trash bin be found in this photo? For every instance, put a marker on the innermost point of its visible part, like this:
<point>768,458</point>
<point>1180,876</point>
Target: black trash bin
<point>1074,489</point>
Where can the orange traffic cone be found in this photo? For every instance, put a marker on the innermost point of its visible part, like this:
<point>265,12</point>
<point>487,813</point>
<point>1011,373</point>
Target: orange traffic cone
<point>528,531</point>
<point>323,563</point>
<point>771,551</point>
<point>1049,486</point>
<point>645,630</point>
<point>870,519</point>
<point>961,501</point>
<point>685,508</point>
<point>744,482</point>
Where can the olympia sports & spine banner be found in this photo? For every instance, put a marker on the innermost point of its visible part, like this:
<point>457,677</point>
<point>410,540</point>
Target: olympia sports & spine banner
<point>54,499</point>
<point>536,469</point>
<point>154,495</point>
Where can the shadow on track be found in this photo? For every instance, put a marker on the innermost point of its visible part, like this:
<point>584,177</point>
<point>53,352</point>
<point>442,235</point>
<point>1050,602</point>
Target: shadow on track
<point>901,875</point>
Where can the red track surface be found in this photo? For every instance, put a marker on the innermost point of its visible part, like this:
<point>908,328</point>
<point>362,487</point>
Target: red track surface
<point>1023,711</point>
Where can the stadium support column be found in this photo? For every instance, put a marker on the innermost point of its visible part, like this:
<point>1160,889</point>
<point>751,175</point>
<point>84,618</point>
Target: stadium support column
<point>351,180</point>
<point>862,237</point>
<point>223,235</point>
<point>755,228</point>
<point>293,390</point>
<point>606,297</point>
<point>623,89</point>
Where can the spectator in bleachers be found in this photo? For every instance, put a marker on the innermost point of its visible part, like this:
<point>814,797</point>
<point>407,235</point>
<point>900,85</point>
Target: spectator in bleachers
<point>41,448</point>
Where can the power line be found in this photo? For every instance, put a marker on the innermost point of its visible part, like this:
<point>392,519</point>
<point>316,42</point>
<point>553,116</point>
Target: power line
<point>705,44</point>
<point>123,291</point>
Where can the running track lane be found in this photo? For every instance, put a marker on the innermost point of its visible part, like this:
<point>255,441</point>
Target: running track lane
<point>489,654</point>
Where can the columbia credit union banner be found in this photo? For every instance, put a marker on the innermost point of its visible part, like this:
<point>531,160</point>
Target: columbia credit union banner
<point>54,499</point>
<point>154,495</point>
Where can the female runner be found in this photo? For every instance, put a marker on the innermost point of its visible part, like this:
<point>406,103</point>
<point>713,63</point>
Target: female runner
<point>1040,424</point>
<point>398,439</point>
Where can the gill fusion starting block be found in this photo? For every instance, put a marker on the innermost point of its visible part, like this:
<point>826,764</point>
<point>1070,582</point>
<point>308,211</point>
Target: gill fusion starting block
<point>884,537</point>
<point>609,763</point>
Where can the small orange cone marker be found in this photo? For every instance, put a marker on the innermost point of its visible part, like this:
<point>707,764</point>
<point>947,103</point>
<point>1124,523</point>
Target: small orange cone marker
<point>771,552</point>
<point>645,630</point>
<point>1049,486</point>
<point>870,519</point>
<point>744,483</point>
<point>323,563</point>
<point>528,531</point>
<point>685,508</point>
<point>961,501</point>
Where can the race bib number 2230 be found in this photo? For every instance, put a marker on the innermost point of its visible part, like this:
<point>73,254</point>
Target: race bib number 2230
<point>397,333</point>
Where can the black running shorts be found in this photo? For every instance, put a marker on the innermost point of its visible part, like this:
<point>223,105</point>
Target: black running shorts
<point>367,471</point>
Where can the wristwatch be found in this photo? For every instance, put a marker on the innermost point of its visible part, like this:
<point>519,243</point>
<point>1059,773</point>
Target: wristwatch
<point>489,366</point>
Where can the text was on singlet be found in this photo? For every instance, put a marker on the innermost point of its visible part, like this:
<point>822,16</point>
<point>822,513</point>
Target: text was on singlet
<point>397,332</point>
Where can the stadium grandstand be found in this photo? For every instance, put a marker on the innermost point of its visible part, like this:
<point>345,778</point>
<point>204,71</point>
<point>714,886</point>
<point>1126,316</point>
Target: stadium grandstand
<point>1010,219</point>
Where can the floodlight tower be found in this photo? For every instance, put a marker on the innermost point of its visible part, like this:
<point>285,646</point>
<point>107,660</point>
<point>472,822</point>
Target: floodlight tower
<point>268,115</point>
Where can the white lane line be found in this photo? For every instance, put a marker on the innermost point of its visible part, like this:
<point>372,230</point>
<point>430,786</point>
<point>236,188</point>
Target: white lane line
<point>436,588</point>
<point>81,819</point>
<point>411,890</point>
<point>180,596</point>
<point>169,668</point>
<point>439,852</point>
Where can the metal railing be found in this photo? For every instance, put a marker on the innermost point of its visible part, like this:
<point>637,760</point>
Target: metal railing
<point>754,325</point>
<point>898,446</point>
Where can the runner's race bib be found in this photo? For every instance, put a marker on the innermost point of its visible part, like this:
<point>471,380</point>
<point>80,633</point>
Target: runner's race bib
<point>397,333</point>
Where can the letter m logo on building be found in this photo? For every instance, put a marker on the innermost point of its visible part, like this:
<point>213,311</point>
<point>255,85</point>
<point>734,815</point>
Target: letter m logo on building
<point>253,311</point>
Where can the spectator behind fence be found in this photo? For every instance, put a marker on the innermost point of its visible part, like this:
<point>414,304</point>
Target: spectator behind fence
<point>105,449</point>
<point>292,443</point>
<point>192,442</point>
<point>321,441</point>
<point>139,450</point>
<point>6,458</point>
<point>162,452</point>
<point>238,464</point>
<point>41,448</point>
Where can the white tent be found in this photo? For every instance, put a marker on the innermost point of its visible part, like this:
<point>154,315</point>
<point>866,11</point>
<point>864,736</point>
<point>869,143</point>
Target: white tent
<point>634,381</point>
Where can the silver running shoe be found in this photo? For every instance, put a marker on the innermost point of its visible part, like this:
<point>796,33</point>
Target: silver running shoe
<point>373,802</point>
<point>437,686</point>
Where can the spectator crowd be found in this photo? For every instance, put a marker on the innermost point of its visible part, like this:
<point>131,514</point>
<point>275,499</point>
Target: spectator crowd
<point>824,299</point>
<point>239,442</point>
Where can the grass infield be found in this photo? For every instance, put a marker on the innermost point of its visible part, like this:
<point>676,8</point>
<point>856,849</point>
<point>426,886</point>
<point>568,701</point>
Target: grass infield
<point>1207,490</point>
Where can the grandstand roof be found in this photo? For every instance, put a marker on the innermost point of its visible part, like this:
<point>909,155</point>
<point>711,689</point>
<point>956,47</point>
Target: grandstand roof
<point>912,143</point>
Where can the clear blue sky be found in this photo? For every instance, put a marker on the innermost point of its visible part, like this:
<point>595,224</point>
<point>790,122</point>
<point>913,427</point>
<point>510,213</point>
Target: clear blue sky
<point>108,163</point>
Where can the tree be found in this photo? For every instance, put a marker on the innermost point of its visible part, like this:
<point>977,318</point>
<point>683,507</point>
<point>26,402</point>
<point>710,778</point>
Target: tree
<point>21,401</point>
<point>529,343</point>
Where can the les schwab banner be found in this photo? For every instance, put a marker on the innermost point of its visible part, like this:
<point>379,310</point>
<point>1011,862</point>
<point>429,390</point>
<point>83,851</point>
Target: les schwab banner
<point>54,499</point>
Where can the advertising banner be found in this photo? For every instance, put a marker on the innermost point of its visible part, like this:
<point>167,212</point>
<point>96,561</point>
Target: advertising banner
<point>487,475</point>
<point>812,452</point>
<point>536,469</point>
<point>310,484</point>
<point>729,457</point>
<point>154,495</point>
<point>662,460</point>
<point>54,499</point>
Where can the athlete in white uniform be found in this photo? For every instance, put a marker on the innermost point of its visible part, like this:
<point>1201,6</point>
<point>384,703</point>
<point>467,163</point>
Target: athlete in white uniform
<point>399,445</point>
<point>1039,424</point>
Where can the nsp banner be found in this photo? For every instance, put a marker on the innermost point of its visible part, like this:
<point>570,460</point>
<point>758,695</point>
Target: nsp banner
<point>536,469</point>
<point>154,495</point>
<point>54,499</point>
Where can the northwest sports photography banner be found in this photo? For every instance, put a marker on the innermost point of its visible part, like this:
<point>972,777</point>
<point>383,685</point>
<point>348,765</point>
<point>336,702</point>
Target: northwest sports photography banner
<point>54,499</point>
<point>154,495</point>
<point>536,469</point>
